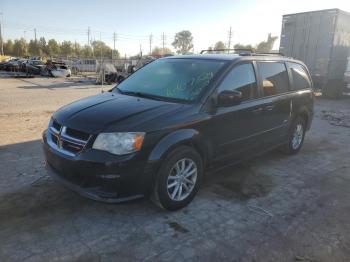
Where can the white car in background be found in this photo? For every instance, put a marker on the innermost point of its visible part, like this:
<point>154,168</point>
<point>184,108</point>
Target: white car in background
<point>61,71</point>
<point>57,69</point>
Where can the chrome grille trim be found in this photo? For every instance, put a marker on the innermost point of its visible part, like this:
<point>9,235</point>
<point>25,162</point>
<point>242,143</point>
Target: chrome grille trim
<point>62,139</point>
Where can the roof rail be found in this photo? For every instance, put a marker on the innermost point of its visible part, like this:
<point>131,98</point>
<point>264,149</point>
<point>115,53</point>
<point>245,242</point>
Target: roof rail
<point>228,49</point>
<point>243,51</point>
<point>270,53</point>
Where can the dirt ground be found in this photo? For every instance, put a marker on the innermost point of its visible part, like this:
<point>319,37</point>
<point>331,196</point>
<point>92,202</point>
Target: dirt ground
<point>272,208</point>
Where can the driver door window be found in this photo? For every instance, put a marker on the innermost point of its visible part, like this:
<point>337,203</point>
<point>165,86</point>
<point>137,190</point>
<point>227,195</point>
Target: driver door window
<point>241,78</point>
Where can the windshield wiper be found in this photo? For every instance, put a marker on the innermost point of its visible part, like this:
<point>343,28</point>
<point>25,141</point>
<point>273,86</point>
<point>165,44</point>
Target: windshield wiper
<point>141,94</point>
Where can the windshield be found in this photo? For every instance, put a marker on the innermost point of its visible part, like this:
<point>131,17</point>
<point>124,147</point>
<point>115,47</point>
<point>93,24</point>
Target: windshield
<point>173,79</point>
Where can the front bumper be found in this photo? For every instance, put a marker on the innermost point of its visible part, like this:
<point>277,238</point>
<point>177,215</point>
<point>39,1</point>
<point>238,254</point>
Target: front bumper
<point>99,175</point>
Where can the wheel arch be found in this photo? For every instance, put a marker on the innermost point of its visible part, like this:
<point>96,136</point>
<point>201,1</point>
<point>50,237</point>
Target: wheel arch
<point>187,137</point>
<point>303,112</point>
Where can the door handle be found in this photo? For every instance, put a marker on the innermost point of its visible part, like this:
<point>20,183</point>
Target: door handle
<point>257,110</point>
<point>269,108</point>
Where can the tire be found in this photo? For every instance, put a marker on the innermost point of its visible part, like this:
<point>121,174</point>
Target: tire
<point>172,167</point>
<point>294,146</point>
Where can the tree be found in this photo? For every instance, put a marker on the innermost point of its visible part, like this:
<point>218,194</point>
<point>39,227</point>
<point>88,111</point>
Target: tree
<point>158,51</point>
<point>115,54</point>
<point>20,47</point>
<point>240,46</point>
<point>266,46</point>
<point>100,47</point>
<point>219,45</point>
<point>86,51</point>
<point>34,48</point>
<point>76,49</point>
<point>42,45</point>
<point>53,48</point>
<point>183,42</point>
<point>66,48</point>
<point>8,47</point>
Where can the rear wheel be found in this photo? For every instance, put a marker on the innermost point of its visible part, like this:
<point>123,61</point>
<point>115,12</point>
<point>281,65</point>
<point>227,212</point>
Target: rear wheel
<point>296,136</point>
<point>178,178</point>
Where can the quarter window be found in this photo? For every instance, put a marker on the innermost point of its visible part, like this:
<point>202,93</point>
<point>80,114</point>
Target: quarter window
<point>300,77</point>
<point>241,78</point>
<point>274,78</point>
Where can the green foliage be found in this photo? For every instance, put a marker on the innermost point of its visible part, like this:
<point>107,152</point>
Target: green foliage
<point>266,46</point>
<point>100,48</point>
<point>183,42</point>
<point>86,51</point>
<point>52,48</point>
<point>66,48</point>
<point>158,51</point>
<point>262,47</point>
<point>34,48</point>
<point>8,47</point>
<point>240,46</point>
<point>219,45</point>
<point>20,47</point>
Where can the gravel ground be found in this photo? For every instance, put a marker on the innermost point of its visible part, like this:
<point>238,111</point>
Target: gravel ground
<point>271,208</point>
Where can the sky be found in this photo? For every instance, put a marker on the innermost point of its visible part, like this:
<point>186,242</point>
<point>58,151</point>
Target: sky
<point>134,21</point>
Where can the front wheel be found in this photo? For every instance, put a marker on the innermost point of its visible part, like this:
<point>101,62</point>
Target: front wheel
<point>179,178</point>
<point>296,136</point>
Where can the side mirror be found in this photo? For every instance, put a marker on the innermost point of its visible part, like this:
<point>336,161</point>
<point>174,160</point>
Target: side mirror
<point>229,98</point>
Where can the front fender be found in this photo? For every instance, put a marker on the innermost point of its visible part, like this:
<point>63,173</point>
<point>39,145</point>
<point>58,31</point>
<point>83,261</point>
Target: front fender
<point>178,137</point>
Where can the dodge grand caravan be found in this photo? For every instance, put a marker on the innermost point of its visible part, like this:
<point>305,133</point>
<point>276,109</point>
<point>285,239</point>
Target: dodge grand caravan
<point>155,133</point>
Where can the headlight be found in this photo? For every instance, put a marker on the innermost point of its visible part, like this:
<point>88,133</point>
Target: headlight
<point>119,143</point>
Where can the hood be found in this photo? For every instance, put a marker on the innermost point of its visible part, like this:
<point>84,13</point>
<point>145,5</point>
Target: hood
<point>112,112</point>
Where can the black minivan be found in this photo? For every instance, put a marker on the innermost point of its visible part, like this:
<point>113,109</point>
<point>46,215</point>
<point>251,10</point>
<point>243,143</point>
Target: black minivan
<point>155,133</point>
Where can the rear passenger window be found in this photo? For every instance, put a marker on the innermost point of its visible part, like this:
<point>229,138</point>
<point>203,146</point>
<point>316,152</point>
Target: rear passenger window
<point>241,78</point>
<point>274,78</point>
<point>300,77</point>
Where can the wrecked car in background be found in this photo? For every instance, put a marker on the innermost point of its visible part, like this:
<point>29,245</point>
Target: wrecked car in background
<point>35,67</point>
<point>57,69</point>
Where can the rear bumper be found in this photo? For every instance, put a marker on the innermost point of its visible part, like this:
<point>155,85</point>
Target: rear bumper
<point>99,175</point>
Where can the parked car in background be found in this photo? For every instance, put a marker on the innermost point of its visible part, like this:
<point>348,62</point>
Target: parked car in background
<point>14,64</point>
<point>57,69</point>
<point>155,133</point>
<point>34,67</point>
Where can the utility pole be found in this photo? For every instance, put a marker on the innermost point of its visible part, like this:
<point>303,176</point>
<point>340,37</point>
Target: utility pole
<point>140,50</point>
<point>229,39</point>
<point>88,33</point>
<point>101,66</point>
<point>114,39</point>
<point>1,38</point>
<point>150,43</point>
<point>35,34</point>
<point>163,37</point>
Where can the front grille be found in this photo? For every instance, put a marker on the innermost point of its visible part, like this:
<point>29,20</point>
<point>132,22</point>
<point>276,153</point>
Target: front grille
<point>56,125</point>
<point>67,140</point>
<point>77,134</point>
